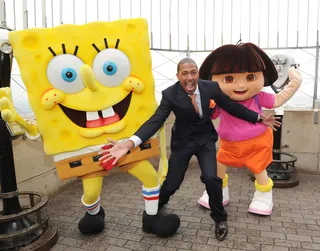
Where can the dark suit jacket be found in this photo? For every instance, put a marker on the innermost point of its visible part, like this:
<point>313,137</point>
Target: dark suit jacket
<point>188,126</point>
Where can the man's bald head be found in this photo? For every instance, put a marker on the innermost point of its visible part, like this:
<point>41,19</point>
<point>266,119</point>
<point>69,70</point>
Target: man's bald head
<point>186,61</point>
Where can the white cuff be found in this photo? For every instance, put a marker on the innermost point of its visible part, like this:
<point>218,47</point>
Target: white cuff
<point>136,140</point>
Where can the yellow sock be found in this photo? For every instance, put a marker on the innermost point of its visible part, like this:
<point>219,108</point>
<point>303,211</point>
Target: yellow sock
<point>266,188</point>
<point>225,181</point>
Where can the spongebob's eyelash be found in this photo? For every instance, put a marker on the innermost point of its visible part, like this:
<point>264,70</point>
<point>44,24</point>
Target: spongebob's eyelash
<point>106,44</point>
<point>64,50</point>
<point>52,51</point>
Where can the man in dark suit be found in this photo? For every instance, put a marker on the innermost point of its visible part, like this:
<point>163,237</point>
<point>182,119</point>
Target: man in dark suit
<point>192,101</point>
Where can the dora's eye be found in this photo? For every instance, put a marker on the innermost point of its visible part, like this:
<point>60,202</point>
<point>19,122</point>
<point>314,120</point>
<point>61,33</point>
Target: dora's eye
<point>229,79</point>
<point>251,77</point>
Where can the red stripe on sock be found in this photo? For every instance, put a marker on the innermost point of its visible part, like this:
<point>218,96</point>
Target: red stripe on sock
<point>151,198</point>
<point>93,207</point>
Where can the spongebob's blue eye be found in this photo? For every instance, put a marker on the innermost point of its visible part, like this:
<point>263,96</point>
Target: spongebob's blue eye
<point>109,68</point>
<point>68,74</point>
<point>63,72</point>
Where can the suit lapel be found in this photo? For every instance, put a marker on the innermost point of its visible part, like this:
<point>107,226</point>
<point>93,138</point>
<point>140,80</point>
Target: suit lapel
<point>183,98</point>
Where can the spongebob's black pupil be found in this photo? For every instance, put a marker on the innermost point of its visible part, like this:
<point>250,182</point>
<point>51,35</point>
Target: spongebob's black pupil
<point>109,68</point>
<point>69,74</point>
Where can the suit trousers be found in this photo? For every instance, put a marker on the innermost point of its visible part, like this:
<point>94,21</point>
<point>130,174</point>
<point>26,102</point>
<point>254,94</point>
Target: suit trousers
<point>178,165</point>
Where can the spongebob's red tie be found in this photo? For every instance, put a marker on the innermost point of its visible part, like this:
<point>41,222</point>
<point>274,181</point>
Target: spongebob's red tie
<point>194,102</point>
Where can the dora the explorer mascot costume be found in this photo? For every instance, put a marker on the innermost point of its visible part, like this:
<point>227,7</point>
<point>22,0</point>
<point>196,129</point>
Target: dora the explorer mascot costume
<point>87,83</point>
<point>242,71</point>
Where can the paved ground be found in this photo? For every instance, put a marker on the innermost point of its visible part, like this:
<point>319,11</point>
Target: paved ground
<point>294,224</point>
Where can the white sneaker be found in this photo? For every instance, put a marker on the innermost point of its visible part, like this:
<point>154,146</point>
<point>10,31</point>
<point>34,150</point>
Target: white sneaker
<point>262,203</point>
<point>204,200</point>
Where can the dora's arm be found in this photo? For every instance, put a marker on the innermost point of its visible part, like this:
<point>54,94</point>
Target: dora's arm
<point>294,84</point>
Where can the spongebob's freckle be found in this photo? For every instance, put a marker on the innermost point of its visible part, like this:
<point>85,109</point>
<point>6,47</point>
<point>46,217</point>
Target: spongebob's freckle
<point>47,99</point>
<point>38,58</point>
<point>55,102</point>
<point>54,121</point>
<point>131,27</point>
<point>30,42</point>
<point>54,94</point>
<point>130,81</point>
<point>65,136</point>
<point>132,88</point>
<point>34,75</point>
<point>138,84</point>
<point>142,111</point>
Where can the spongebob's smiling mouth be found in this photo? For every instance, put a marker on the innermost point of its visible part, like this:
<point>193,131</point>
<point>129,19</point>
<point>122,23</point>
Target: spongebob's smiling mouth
<point>100,118</point>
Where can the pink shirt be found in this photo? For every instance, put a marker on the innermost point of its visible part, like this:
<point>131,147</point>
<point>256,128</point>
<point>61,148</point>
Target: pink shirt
<point>235,129</point>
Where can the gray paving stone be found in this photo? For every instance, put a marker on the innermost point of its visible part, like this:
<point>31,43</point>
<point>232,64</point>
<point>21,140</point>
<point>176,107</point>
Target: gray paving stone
<point>312,246</point>
<point>298,237</point>
<point>199,247</point>
<point>59,247</point>
<point>179,244</point>
<point>114,248</point>
<point>273,248</point>
<point>137,246</point>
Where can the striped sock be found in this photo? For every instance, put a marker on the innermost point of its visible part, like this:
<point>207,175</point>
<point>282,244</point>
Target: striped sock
<point>92,209</point>
<point>151,199</point>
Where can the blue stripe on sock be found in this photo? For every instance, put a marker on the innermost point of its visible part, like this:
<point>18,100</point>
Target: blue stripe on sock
<point>92,206</point>
<point>151,192</point>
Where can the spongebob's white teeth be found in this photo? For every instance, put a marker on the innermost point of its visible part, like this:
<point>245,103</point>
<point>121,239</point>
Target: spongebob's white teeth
<point>109,112</point>
<point>92,116</point>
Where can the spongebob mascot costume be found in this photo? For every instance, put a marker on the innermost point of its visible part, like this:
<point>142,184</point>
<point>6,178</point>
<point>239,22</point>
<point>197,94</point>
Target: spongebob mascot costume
<point>86,83</point>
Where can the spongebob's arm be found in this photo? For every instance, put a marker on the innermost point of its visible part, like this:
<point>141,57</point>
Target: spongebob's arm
<point>163,165</point>
<point>294,84</point>
<point>9,114</point>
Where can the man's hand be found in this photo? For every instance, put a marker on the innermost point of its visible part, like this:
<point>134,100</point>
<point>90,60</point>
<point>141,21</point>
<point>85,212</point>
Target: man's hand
<point>271,120</point>
<point>118,150</point>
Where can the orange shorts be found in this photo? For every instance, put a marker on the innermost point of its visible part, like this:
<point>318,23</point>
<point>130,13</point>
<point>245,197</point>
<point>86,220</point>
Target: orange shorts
<point>255,154</point>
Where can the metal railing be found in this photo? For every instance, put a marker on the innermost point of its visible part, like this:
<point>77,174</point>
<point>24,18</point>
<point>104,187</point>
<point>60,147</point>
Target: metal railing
<point>192,27</point>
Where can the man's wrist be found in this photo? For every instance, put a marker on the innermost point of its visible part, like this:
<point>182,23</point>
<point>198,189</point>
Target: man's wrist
<point>136,140</point>
<point>129,144</point>
<point>260,118</point>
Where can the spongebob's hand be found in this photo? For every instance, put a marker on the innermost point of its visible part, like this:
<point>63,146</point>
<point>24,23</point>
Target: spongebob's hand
<point>9,114</point>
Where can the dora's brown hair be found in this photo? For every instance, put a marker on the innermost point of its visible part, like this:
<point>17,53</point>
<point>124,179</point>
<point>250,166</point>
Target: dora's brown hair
<point>238,59</point>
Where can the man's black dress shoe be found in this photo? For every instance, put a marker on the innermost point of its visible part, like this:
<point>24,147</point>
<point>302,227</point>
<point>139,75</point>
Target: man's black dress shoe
<point>221,230</point>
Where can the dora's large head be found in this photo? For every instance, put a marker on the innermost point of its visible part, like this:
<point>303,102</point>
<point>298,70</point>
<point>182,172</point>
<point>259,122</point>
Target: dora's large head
<point>241,70</point>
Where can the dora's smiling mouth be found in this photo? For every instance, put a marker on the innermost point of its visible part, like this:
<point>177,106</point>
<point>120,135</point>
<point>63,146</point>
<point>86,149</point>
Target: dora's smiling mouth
<point>240,92</point>
<point>100,118</point>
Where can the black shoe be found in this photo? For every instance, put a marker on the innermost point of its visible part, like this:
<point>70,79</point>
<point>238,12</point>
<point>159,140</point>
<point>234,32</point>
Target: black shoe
<point>162,226</point>
<point>92,224</point>
<point>221,230</point>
